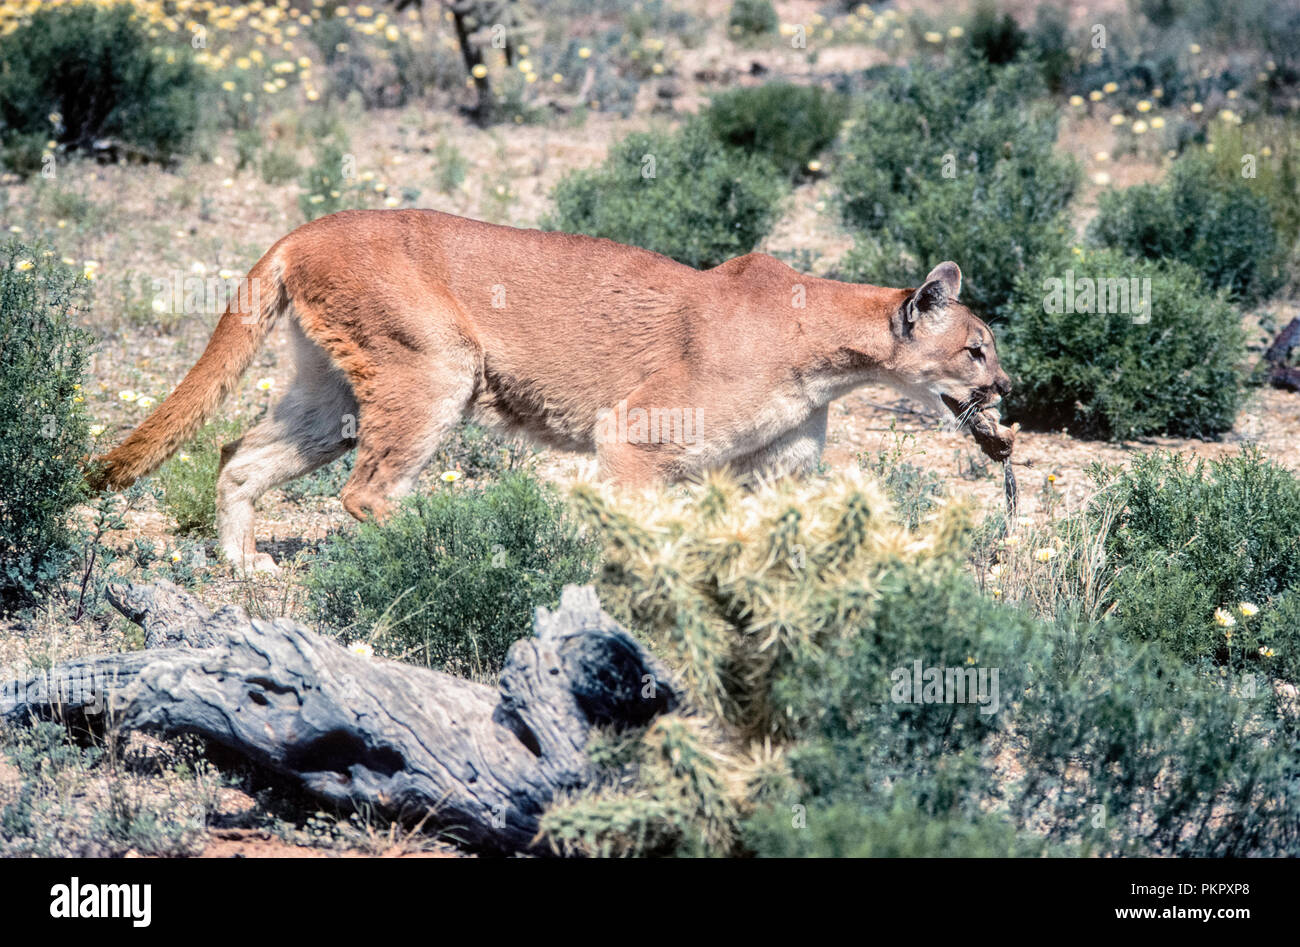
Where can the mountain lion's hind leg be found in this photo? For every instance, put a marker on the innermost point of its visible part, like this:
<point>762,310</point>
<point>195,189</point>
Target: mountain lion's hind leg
<point>403,421</point>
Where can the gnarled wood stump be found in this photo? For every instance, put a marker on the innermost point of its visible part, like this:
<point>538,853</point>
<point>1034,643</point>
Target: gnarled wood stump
<point>479,762</point>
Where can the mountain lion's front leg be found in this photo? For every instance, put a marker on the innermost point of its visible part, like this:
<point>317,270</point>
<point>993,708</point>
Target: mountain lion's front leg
<point>647,438</point>
<point>798,451</point>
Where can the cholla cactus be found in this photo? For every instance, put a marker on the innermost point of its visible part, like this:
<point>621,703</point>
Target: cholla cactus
<point>727,584</point>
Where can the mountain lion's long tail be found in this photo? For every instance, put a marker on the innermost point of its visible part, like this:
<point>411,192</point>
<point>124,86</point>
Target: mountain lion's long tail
<point>249,318</point>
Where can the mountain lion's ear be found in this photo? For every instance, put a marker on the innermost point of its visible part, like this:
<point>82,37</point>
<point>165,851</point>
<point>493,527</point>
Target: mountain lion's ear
<point>949,274</point>
<point>942,285</point>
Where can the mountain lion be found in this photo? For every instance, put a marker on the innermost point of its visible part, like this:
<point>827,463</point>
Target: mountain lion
<point>404,321</point>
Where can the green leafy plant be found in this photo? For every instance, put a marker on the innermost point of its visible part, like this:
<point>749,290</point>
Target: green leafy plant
<point>1213,223</point>
<point>279,165</point>
<point>44,433</point>
<point>1208,559</point>
<point>995,39</point>
<point>1108,368</point>
<point>913,490</point>
<point>966,146</point>
<point>451,164</point>
<point>189,479</point>
<point>685,195</point>
<point>144,97</point>
<point>752,18</point>
<point>451,580</point>
<point>331,184</point>
<point>795,619</point>
<point>1265,156</point>
<point>786,123</point>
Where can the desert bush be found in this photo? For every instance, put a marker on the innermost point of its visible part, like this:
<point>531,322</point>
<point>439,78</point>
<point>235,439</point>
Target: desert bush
<point>900,828</point>
<point>1052,45</point>
<point>144,97</point>
<point>382,71</point>
<point>470,450</point>
<point>1195,538</point>
<point>189,479</point>
<point>792,615</point>
<point>954,164</point>
<point>685,195</point>
<point>451,580</point>
<point>477,451</point>
<point>44,434</point>
<point>451,166</point>
<point>331,184</point>
<point>1108,373</point>
<point>1213,223</point>
<point>786,123</point>
<point>1248,24</point>
<point>66,799</point>
<point>751,18</point>
<point>279,164</point>
<point>994,35</point>
<point>914,491</point>
<point>1273,147</point>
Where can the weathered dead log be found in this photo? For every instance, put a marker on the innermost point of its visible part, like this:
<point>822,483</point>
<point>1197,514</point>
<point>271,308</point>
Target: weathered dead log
<point>1281,373</point>
<point>478,762</point>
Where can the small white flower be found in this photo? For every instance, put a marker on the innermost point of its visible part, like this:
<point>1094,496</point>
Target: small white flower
<point>361,649</point>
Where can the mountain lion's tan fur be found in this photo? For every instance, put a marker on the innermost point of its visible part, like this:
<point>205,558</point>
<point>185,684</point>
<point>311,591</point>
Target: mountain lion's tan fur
<point>404,321</point>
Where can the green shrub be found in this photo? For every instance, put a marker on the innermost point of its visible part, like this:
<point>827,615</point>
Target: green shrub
<point>791,616</point>
<point>452,166</point>
<point>189,479</point>
<point>1213,223</point>
<point>897,828</point>
<point>44,434</point>
<point>76,74</point>
<point>913,490</point>
<point>477,451</point>
<point>1000,40</point>
<point>995,39</point>
<point>684,195</point>
<point>471,450</point>
<point>452,579</point>
<point>1250,24</point>
<point>1109,374</point>
<point>331,184</point>
<point>1274,147</point>
<point>380,72</point>
<point>787,124</point>
<point>1107,761</point>
<point>1191,538</point>
<point>954,164</point>
<point>279,165</point>
<point>750,18</point>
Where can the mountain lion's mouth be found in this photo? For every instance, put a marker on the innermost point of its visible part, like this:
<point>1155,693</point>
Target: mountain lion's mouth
<point>981,419</point>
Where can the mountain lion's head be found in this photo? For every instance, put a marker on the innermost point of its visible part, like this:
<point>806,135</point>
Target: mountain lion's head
<point>942,351</point>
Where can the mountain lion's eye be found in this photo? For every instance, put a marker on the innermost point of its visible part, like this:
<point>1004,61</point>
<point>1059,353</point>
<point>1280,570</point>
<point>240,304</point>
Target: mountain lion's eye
<point>976,352</point>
